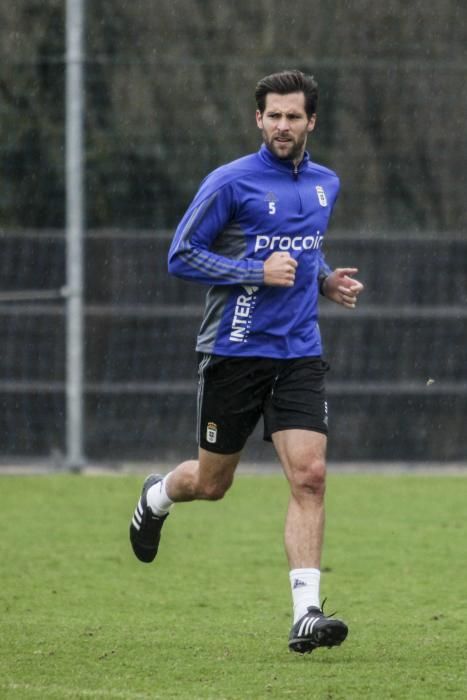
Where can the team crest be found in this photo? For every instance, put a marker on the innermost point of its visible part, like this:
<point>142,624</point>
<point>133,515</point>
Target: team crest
<point>211,433</point>
<point>321,196</point>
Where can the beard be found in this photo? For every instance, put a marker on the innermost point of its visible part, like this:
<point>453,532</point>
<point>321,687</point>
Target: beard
<point>286,150</point>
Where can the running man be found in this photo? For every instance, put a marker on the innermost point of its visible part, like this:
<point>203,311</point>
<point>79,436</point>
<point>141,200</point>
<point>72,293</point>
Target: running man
<point>254,234</point>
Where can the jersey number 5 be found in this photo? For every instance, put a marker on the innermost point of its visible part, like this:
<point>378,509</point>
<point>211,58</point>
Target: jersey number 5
<point>272,207</point>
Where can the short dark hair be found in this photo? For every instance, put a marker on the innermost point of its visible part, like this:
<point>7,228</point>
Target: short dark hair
<point>284,83</point>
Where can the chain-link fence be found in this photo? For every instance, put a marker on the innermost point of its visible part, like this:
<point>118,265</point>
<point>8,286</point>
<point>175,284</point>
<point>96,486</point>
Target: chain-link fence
<point>169,96</point>
<point>398,388</point>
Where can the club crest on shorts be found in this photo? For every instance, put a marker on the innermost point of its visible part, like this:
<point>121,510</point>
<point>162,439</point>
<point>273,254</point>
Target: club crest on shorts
<point>211,433</point>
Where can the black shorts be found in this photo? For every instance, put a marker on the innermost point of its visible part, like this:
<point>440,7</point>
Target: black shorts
<point>234,392</point>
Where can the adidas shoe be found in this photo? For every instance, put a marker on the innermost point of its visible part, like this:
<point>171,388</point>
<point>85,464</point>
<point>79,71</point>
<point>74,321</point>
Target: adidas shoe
<point>314,630</point>
<point>145,527</point>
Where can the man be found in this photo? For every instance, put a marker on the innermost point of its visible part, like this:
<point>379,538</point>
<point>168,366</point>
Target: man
<point>253,233</point>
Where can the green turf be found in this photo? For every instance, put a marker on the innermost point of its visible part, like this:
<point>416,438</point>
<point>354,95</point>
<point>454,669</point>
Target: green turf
<point>81,618</point>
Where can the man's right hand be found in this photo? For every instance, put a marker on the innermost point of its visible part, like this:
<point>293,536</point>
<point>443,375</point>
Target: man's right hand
<point>279,270</point>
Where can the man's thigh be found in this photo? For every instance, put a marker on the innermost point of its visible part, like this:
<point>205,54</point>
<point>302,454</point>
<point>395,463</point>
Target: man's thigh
<point>301,452</point>
<point>231,395</point>
<point>216,470</point>
<point>298,400</point>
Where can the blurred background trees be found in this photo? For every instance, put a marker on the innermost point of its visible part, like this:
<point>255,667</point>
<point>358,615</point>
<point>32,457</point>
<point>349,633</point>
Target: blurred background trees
<point>169,91</point>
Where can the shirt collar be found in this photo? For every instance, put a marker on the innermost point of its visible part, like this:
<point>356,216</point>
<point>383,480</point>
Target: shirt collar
<point>269,158</point>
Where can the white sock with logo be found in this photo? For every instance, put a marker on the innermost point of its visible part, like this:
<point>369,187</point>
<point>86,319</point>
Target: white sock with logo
<point>157,498</point>
<point>305,590</point>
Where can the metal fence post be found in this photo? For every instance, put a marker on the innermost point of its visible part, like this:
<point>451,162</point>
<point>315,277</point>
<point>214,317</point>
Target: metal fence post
<point>74,232</point>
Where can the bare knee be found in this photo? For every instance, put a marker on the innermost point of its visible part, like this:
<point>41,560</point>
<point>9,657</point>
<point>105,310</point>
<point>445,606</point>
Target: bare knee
<point>309,479</point>
<point>213,491</point>
<point>215,474</point>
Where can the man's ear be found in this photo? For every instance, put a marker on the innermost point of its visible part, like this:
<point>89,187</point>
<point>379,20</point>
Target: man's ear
<point>259,119</point>
<point>311,123</point>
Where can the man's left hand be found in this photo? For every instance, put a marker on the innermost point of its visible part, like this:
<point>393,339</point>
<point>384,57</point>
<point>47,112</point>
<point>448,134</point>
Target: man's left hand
<point>339,286</point>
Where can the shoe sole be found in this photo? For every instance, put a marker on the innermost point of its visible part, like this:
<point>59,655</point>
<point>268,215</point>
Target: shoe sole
<point>331,635</point>
<point>143,553</point>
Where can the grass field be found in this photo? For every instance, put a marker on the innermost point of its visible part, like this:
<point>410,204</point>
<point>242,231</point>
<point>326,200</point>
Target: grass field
<point>82,618</point>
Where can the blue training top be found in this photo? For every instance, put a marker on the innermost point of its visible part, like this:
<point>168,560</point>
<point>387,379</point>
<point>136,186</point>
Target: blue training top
<point>242,213</point>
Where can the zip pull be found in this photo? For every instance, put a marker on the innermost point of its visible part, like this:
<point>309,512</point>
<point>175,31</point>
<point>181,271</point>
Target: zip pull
<point>295,172</point>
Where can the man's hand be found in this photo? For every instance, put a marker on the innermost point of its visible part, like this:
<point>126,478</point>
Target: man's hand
<point>279,270</point>
<point>341,288</point>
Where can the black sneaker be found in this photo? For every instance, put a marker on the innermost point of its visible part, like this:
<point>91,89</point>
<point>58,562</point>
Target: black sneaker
<point>145,527</point>
<point>314,630</point>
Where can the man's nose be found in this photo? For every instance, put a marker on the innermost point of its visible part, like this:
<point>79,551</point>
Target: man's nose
<point>283,124</point>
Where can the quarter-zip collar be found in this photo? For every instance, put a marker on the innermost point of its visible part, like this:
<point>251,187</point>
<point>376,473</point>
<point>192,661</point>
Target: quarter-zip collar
<point>272,160</point>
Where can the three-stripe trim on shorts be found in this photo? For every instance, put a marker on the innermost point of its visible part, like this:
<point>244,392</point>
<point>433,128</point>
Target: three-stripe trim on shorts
<point>202,366</point>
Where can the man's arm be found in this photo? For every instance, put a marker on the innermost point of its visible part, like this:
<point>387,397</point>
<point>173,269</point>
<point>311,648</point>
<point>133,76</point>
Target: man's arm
<point>190,255</point>
<point>323,271</point>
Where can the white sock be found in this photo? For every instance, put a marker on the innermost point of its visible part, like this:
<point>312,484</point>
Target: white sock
<point>157,498</point>
<point>305,590</point>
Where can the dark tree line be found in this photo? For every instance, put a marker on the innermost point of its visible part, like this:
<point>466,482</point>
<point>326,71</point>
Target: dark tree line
<point>169,95</point>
